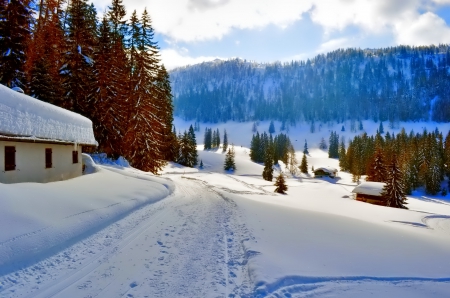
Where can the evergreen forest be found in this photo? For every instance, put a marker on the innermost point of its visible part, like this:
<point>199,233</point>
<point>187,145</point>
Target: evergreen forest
<point>400,83</point>
<point>107,69</point>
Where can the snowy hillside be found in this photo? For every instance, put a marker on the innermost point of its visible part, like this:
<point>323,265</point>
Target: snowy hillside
<point>393,84</point>
<point>222,234</point>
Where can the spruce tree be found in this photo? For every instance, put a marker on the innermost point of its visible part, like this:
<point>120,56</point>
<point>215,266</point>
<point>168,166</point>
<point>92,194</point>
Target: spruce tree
<point>393,191</point>
<point>268,165</point>
<point>280,184</point>
<point>229,164</point>
<point>225,141</point>
<point>16,35</point>
<point>304,165</point>
<point>217,138</point>
<point>201,164</point>
<point>271,127</point>
<point>377,168</point>
<point>343,157</point>
<point>305,148</point>
<point>381,128</point>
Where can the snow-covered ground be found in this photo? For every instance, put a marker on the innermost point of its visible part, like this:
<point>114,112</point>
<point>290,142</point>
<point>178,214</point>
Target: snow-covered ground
<point>210,233</point>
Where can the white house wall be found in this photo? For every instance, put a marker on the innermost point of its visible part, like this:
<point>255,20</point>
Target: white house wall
<point>30,163</point>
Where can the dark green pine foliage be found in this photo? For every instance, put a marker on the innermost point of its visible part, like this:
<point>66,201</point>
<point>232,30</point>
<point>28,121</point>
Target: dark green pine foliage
<point>217,138</point>
<point>268,165</point>
<point>107,97</point>
<point>164,97</point>
<point>377,169</point>
<point>280,184</point>
<point>188,149</point>
<point>304,165</point>
<point>229,164</point>
<point>225,141</point>
<point>305,148</point>
<point>271,127</point>
<point>447,155</point>
<point>143,138</point>
<point>208,139</point>
<point>333,149</point>
<point>394,190</point>
<point>3,32</point>
<point>381,128</point>
<point>78,70</point>
<point>15,29</point>
<point>343,157</point>
<point>254,148</point>
<point>201,164</point>
<point>281,144</point>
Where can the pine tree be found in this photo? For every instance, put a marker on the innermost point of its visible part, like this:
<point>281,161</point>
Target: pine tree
<point>144,137</point>
<point>377,169</point>
<point>280,184</point>
<point>201,164</point>
<point>343,164</point>
<point>225,141</point>
<point>16,36</point>
<point>393,191</point>
<point>304,165</point>
<point>292,160</point>
<point>323,144</point>
<point>271,127</point>
<point>381,128</point>
<point>268,164</point>
<point>217,138</point>
<point>254,127</point>
<point>229,164</point>
<point>305,148</point>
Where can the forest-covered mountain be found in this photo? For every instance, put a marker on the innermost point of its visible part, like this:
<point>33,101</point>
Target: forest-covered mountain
<point>395,84</point>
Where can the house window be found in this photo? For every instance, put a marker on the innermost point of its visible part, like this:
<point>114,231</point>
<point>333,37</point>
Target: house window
<point>74,156</point>
<point>48,158</point>
<point>10,158</point>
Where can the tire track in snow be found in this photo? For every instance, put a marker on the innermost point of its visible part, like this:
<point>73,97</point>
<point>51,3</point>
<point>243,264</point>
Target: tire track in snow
<point>187,245</point>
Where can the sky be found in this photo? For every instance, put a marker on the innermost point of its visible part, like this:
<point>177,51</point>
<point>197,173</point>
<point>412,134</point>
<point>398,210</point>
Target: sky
<point>194,31</point>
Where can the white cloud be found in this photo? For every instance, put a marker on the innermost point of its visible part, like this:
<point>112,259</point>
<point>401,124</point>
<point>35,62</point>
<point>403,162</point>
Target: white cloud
<point>172,58</point>
<point>194,20</point>
<point>427,29</point>
<point>402,18</point>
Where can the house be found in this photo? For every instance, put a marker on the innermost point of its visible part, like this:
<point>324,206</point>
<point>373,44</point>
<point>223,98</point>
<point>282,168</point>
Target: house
<point>370,192</point>
<point>40,142</point>
<point>325,172</point>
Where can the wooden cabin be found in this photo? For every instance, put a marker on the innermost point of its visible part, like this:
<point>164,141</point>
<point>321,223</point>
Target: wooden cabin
<point>40,142</point>
<point>370,192</point>
<point>325,172</point>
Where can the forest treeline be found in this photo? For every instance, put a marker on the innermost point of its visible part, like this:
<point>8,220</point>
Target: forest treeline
<point>423,159</point>
<point>108,70</point>
<point>400,83</point>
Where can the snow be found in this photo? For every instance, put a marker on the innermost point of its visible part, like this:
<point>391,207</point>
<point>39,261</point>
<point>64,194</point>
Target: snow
<point>369,188</point>
<point>28,118</point>
<point>211,233</point>
<point>43,218</point>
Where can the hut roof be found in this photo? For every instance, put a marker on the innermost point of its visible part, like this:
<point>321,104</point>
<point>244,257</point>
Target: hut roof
<point>24,117</point>
<point>327,169</point>
<point>370,188</point>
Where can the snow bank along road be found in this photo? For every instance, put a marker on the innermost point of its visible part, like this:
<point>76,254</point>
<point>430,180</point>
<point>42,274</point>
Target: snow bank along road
<point>222,235</point>
<point>187,245</point>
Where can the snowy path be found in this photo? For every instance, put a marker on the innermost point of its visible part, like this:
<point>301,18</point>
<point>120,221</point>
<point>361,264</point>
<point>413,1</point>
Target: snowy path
<point>188,245</point>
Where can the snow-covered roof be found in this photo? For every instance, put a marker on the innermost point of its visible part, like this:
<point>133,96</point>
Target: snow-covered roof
<point>369,188</point>
<point>25,117</point>
<point>327,169</point>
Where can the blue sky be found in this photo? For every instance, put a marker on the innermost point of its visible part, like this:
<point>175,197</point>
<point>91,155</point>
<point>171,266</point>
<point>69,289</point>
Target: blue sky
<point>192,31</point>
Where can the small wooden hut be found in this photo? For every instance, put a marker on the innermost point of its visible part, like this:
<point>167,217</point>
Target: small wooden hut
<point>370,192</point>
<point>325,172</point>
